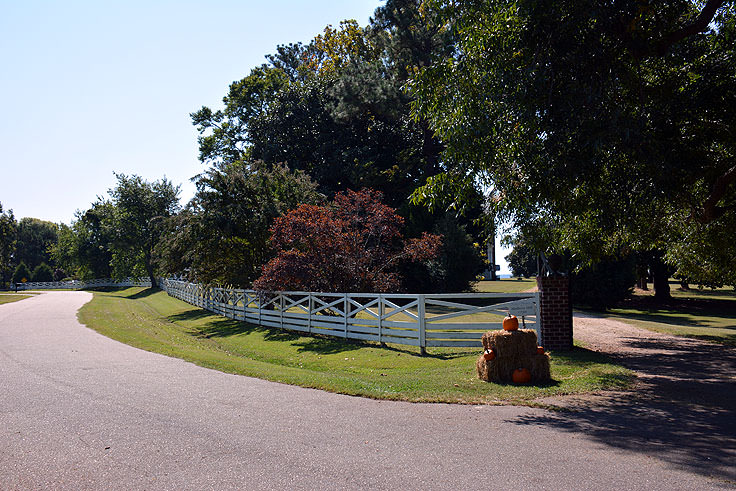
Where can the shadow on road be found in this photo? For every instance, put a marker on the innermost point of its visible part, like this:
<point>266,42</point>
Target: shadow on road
<point>683,413</point>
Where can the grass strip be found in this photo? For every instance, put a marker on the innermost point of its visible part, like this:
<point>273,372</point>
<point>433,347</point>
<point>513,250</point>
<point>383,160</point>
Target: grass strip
<point>12,297</point>
<point>151,320</point>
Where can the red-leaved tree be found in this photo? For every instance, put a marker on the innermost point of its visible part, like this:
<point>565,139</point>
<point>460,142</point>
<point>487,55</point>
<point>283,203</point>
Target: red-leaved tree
<point>352,245</point>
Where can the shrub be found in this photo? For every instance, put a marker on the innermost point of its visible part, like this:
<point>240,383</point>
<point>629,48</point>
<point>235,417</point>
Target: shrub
<point>21,272</point>
<point>42,272</point>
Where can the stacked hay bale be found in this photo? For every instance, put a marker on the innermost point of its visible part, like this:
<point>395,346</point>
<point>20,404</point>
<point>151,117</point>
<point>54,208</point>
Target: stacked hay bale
<point>512,349</point>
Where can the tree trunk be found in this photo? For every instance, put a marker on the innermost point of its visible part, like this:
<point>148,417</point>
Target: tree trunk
<point>660,274</point>
<point>643,283</point>
<point>149,270</point>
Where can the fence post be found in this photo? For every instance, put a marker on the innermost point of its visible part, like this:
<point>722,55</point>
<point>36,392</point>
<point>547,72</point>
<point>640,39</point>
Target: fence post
<point>281,310</point>
<point>260,306</point>
<point>422,325</point>
<point>309,319</point>
<point>345,314</point>
<point>538,310</point>
<point>380,320</point>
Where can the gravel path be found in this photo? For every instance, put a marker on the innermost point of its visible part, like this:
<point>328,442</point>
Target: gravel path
<point>81,411</point>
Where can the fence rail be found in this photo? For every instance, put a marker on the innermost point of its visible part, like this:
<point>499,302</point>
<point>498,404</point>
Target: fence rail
<point>81,285</point>
<point>437,320</point>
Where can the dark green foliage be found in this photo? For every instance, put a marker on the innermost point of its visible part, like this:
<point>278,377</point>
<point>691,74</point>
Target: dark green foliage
<point>42,272</point>
<point>334,108</point>
<point>522,259</point>
<point>223,234</point>
<point>610,122</point>
<point>604,284</point>
<point>7,243</point>
<point>84,248</point>
<point>139,210</point>
<point>21,273</point>
<point>35,239</point>
<point>456,267</point>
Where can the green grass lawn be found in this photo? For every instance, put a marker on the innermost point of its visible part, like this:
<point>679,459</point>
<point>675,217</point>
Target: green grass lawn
<point>703,314</point>
<point>506,285</point>
<point>12,297</point>
<point>151,320</point>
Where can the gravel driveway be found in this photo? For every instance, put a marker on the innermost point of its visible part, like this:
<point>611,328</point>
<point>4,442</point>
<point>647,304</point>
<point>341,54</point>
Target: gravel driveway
<point>81,411</point>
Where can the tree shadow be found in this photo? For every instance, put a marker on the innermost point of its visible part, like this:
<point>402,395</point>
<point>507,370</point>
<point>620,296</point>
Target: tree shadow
<point>143,293</point>
<point>683,412</point>
<point>189,315</point>
<point>327,346</point>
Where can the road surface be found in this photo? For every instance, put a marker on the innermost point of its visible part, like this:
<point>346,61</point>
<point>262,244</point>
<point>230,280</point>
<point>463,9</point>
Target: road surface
<point>81,411</point>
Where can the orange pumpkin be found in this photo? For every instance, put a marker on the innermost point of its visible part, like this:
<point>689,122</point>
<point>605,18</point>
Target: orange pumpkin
<point>521,376</point>
<point>510,323</point>
<point>540,350</point>
<point>489,355</point>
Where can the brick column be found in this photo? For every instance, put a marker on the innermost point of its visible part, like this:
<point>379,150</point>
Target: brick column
<point>556,309</point>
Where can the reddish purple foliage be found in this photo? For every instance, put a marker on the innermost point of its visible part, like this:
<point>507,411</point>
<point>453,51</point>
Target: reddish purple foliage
<point>354,245</point>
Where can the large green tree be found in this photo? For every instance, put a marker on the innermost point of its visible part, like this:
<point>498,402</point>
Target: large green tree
<point>84,249</point>
<point>8,227</point>
<point>334,108</point>
<point>35,238</point>
<point>139,211</point>
<point>610,123</point>
<point>222,236</point>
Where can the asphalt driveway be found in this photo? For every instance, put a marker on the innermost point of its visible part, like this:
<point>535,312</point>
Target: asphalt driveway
<point>79,410</point>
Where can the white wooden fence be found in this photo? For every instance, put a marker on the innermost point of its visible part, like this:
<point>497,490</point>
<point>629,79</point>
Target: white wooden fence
<point>450,320</point>
<point>81,285</point>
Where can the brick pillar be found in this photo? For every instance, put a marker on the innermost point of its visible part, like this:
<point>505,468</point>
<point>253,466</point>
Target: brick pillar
<point>556,309</point>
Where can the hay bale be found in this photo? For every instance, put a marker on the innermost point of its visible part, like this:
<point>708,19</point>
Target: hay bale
<point>483,369</point>
<point>514,349</point>
<point>539,368</point>
<point>511,343</point>
<point>487,369</point>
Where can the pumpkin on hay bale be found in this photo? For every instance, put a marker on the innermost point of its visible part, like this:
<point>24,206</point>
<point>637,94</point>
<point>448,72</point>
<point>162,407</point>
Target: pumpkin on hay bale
<point>513,349</point>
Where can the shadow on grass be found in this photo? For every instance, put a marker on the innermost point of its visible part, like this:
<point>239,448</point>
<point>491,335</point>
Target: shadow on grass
<point>189,315</point>
<point>315,343</point>
<point>142,294</point>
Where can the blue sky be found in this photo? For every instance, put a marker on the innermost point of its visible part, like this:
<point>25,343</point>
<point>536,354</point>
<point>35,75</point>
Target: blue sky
<point>88,88</point>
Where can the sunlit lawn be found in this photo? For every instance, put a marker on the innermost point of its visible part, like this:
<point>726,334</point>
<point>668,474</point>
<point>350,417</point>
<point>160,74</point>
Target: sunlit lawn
<point>704,314</point>
<point>151,320</point>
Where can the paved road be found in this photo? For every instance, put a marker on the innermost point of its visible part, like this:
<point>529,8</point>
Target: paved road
<point>78,410</point>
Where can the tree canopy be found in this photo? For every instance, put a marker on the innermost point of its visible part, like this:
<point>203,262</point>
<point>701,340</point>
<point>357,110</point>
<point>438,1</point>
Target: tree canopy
<point>138,211</point>
<point>7,242</point>
<point>606,125</point>
<point>34,241</point>
<point>334,108</point>
<point>222,236</point>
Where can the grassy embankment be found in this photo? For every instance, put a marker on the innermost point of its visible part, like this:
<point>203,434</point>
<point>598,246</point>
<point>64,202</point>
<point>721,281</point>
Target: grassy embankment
<point>151,320</point>
<point>12,297</point>
<point>703,314</point>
